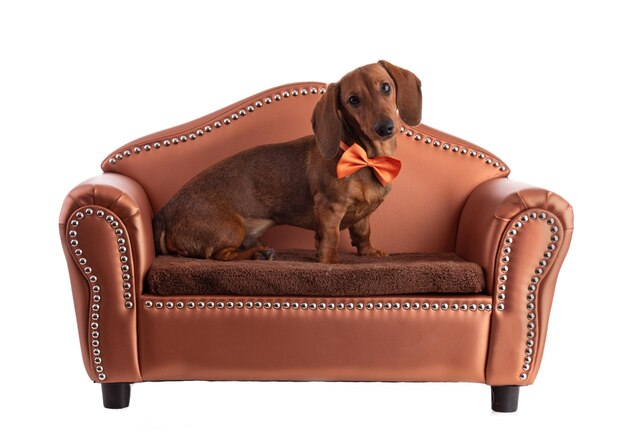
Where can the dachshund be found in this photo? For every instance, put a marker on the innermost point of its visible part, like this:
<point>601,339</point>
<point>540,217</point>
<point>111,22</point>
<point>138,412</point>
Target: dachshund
<point>221,212</point>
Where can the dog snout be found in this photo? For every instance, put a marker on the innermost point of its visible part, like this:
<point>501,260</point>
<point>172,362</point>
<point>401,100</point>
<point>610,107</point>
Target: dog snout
<point>384,128</point>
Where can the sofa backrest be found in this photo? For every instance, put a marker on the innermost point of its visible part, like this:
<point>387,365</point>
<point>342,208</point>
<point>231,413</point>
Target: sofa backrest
<point>421,213</point>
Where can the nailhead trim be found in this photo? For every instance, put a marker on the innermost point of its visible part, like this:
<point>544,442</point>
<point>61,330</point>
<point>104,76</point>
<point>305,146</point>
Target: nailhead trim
<point>428,139</point>
<point>313,305</point>
<point>95,288</point>
<point>228,119</point>
<point>517,225</point>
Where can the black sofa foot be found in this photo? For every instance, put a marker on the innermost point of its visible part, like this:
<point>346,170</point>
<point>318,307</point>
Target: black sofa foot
<point>115,395</point>
<point>504,398</point>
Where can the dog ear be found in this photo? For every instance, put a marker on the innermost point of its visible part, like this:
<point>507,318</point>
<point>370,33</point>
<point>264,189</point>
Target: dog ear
<point>408,93</point>
<point>326,122</point>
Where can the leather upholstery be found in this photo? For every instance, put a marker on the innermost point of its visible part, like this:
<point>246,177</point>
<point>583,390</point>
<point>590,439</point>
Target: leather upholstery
<point>450,196</point>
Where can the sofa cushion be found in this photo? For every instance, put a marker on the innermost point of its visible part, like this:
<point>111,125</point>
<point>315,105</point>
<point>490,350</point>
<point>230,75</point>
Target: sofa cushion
<point>297,272</point>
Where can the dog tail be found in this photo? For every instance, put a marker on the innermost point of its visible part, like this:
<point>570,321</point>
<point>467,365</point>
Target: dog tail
<point>158,227</point>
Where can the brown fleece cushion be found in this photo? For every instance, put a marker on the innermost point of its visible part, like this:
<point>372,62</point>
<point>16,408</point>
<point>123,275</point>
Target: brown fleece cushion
<point>297,272</point>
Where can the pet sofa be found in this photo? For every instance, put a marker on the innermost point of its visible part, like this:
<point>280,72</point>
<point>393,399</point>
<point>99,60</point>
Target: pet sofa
<point>464,296</point>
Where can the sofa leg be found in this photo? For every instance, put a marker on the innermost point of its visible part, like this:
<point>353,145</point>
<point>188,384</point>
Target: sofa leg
<point>115,395</point>
<point>504,398</point>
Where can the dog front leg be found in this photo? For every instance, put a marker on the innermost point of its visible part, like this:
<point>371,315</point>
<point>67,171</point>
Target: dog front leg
<point>360,237</point>
<point>329,216</point>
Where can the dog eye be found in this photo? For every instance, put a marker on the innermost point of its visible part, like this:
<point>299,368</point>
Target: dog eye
<point>385,88</point>
<point>354,100</point>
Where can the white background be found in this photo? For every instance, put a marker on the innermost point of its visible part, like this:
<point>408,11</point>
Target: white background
<point>540,84</point>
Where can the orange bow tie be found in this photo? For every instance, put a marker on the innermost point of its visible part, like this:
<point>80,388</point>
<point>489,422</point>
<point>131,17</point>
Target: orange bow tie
<point>385,168</point>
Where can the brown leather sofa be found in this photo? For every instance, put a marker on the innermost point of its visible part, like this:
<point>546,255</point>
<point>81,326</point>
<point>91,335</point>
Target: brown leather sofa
<point>452,198</point>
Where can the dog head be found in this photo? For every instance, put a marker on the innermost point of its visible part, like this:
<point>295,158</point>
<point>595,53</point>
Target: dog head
<point>363,107</point>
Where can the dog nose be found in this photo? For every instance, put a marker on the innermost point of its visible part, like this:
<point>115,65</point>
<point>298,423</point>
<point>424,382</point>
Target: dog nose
<point>384,128</point>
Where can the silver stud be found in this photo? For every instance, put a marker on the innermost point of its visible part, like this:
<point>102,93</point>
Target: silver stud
<point>250,108</point>
<point>369,306</point>
<point>88,270</point>
<point>532,288</point>
<point>428,140</point>
<point>148,304</point>
<point>502,168</point>
<point>551,247</point>
<point>488,307</point>
<point>207,129</point>
<point>78,252</point>
<point>294,93</point>
<point>463,151</point>
<point>118,156</point>
<point>102,376</point>
<point>82,261</point>
<point>542,216</point>
<point>158,305</point>
<point>217,124</point>
<point>295,305</point>
<point>96,298</point>
<point>435,306</point>
<point>530,296</point>
<point>517,224</point>
<point>501,287</point>
<point>436,143</point>
<point>554,229</point>
<point>481,156</point>
<point>359,306</point>
<point>444,306</point>
<point>169,305</point>
<point>235,116</point>
<point>112,161</point>
<point>500,306</point>
<point>242,112</point>
<point>285,94</point>
<point>496,164</point>
<point>503,278</point>
<point>95,334</point>
<point>396,306</point>
<point>191,305</point>
<point>531,316</point>
<point>267,305</point>
<point>463,307</point>
<point>473,307</point>
<point>312,306</point>
<point>425,306</point>
<point>530,334</point>
<point>95,343</point>
<point>501,296</point>
<point>508,240</point>
<point>349,306</point>
<point>387,306</point>
<point>340,306</point>
<point>525,367</point>
<point>538,271</point>
<point>531,326</point>
<point>220,305</point>
<point>455,148</point>
<point>94,325</point>
<point>454,307</point>
<point>322,91</point>
<point>322,306</point>
<point>230,305</point>
<point>488,161</point>
<point>505,259</point>
<point>74,223</point>
<point>304,306</point>
<point>331,306</point>
<point>534,279</point>
<point>446,146</point>
<point>227,121</point>
<point>210,305</point>
<point>529,343</point>
<point>136,149</point>
<point>276,305</point>
<point>127,153</point>
<point>513,232</point>
<point>192,136</point>
<point>156,145</point>
<point>127,295</point>
<point>406,306</point>
<point>417,137</point>
<point>554,238</point>
<point>199,132</point>
<point>200,305</point>
<point>481,307</point>
<point>259,103</point>
<point>416,306</point>
<point>530,306</point>
<point>276,97</point>
<point>472,153</point>
<point>183,139</point>
<point>268,100</point>
<point>533,215</point>
<point>249,304</point>
<point>166,142</point>
<point>547,254</point>
<point>313,90</point>
<point>79,215</point>
<point>93,278</point>
<point>543,263</point>
<point>507,250</point>
<point>128,304</point>
<point>304,91</point>
<point>504,268</point>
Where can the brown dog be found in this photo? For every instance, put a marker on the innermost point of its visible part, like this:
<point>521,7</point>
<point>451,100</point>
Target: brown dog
<point>221,212</point>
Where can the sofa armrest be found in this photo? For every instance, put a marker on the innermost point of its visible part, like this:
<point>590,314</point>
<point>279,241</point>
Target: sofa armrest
<point>520,235</point>
<point>106,233</point>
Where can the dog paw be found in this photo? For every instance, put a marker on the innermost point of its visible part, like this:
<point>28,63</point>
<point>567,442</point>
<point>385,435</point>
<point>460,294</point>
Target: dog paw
<point>266,254</point>
<point>372,252</point>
